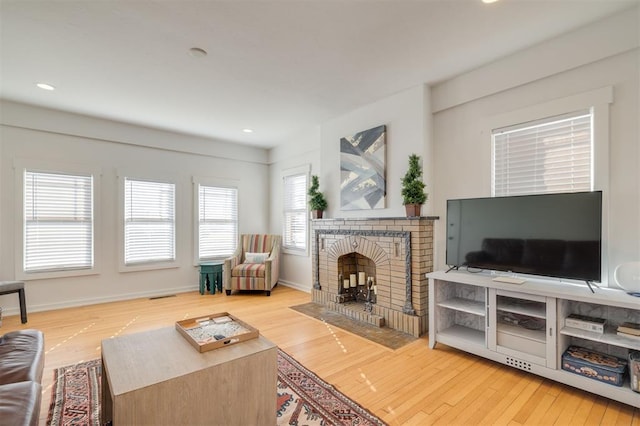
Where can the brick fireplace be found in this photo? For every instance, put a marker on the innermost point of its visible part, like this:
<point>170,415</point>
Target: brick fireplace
<point>394,253</point>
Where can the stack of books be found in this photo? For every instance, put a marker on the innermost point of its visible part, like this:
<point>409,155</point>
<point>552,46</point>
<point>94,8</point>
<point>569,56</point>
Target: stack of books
<point>584,322</point>
<point>629,329</point>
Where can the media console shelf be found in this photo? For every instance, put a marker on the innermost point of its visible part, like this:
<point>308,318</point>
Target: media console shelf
<point>522,325</point>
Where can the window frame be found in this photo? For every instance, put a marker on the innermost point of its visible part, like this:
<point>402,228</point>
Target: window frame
<point>296,171</point>
<point>22,165</point>
<point>598,101</point>
<point>197,181</point>
<point>534,142</point>
<point>150,265</point>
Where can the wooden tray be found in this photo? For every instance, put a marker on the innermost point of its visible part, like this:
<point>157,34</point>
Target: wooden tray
<point>215,331</point>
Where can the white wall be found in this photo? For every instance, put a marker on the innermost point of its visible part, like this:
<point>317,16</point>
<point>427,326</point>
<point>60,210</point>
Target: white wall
<point>534,77</point>
<point>52,137</point>
<point>446,125</point>
<point>638,121</point>
<point>302,149</point>
<point>407,132</point>
<point>450,142</point>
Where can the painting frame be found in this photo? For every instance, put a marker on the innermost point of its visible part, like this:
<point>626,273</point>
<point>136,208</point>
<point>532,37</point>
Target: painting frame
<point>363,170</point>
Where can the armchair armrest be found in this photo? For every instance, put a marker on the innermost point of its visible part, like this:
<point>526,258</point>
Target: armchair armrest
<point>272,265</point>
<point>268,276</point>
<point>229,264</point>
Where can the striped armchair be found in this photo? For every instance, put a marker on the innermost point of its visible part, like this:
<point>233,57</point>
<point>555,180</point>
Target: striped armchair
<point>255,265</point>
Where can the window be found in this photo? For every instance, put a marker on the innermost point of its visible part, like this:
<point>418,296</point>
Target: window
<point>569,142</point>
<point>58,222</point>
<point>545,156</point>
<point>217,221</point>
<point>149,221</point>
<point>295,210</point>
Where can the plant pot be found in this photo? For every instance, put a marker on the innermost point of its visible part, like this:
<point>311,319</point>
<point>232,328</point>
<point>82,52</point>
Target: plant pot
<point>316,214</point>
<point>413,210</point>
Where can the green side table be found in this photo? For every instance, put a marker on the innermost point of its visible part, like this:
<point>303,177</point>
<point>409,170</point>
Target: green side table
<point>211,271</point>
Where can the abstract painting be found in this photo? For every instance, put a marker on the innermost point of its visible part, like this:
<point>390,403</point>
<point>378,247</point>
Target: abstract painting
<point>362,170</point>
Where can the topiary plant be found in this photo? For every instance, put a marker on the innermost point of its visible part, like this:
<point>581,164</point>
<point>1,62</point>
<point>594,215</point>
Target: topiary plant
<point>412,185</point>
<point>317,201</point>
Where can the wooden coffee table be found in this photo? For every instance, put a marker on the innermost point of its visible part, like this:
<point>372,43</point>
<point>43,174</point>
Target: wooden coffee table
<point>156,377</point>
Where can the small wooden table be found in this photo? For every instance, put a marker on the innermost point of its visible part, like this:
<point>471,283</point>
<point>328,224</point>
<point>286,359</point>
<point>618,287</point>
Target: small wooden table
<point>211,271</point>
<point>7,287</point>
<point>158,378</point>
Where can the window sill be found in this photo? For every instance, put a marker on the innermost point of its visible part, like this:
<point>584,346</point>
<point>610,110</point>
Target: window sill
<point>149,266</point>
<point>295,252</point>
<point>45,275</point>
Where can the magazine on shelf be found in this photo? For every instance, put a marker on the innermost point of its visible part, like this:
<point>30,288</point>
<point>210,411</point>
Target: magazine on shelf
<point>584,322</point>
<point>630,328</point>
<point>630,336</point>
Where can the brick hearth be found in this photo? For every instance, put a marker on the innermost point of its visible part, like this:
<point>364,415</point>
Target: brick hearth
<point>397,252</point>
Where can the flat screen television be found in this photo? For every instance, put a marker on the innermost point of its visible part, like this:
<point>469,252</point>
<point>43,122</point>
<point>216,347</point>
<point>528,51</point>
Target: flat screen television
<point>554,235</point>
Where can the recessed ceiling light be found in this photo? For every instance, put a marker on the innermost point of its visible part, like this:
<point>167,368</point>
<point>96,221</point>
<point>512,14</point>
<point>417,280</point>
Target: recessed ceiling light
<point>45,86</point>
<point>197,52</point>
<point>489,1</point>
<point>247,130</point>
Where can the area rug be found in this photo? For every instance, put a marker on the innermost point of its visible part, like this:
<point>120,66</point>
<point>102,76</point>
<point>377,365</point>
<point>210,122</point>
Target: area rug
<point>303,398</point>
<point>385,336</point>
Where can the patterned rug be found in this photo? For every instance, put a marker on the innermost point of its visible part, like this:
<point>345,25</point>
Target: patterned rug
<point>304,399</point>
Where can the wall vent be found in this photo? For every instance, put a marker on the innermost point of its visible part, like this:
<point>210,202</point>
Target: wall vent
<point>522,365</point>
<point>162,297</point>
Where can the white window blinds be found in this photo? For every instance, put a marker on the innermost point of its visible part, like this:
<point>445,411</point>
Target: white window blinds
<point>149,221</point>
<point>218,221</point>
<point>295,212</point>
<point>546,156</point>
<point>58,222</point>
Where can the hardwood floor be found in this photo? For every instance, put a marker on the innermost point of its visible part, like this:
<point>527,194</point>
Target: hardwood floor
<point>412,385</point>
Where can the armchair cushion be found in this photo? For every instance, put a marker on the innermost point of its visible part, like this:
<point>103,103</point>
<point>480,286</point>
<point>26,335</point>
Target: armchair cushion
<point>254,270</point>
<point>255,257</point>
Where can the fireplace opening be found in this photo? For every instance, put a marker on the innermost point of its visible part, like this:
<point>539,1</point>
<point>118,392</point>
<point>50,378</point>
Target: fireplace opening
<point>356,280</point>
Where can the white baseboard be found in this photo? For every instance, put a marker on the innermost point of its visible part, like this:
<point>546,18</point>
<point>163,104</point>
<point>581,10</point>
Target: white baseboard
<point>297,286</point>
<point>15,310</point>
<point>96,300</point>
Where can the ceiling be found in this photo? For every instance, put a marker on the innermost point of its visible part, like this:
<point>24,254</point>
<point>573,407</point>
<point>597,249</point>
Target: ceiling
<point>276,67</point>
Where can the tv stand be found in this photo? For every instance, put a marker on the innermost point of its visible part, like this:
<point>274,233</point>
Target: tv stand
<point>523,326</point>
<point>590,284</point>
<point>509,280</point>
